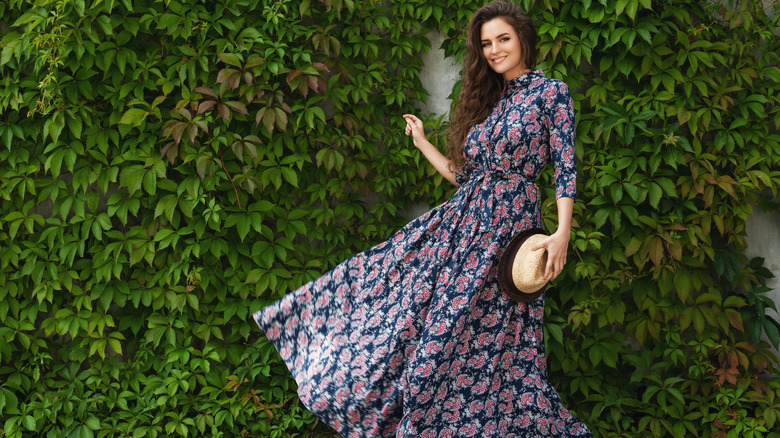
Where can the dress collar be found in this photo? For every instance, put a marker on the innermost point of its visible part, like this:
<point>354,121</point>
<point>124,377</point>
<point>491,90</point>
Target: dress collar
<point>522,81</point>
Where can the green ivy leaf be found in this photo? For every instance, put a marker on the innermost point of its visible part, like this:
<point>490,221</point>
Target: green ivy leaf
<point>8,402</point>
<point>594,353</point>
<point>134,116</point>
<point>92,422</point>
<point>555,331</point>
<point>28,422</point>
<point>105,24</point>
<point>132,177</point>
<point>654,192</point>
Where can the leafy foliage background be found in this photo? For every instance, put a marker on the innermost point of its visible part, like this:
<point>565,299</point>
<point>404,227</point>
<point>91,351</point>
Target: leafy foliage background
<point>169,167</point>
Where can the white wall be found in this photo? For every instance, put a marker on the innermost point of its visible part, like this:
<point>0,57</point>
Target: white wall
<point>438,76</point>
<point>763,238</point>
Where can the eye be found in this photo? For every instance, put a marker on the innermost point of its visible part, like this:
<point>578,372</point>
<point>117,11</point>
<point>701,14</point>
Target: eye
<point>485,44</point>
<point>504,39</point>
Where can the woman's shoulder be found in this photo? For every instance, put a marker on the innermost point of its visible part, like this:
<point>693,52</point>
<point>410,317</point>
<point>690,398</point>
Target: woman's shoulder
<point>552,83</point>
<point>553,92</point>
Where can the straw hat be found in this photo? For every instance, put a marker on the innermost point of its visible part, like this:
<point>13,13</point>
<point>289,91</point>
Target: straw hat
<point>520,270</point>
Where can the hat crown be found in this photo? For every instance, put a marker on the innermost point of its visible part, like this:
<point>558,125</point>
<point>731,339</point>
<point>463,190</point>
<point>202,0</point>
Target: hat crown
<point>528,266</point>
<point>520,270</point>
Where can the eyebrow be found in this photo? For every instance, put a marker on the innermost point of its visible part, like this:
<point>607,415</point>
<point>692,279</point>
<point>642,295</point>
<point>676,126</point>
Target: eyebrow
<point>505,33</point>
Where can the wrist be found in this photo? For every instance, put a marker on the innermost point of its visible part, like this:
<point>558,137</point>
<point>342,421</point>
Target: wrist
<point>423,144</point>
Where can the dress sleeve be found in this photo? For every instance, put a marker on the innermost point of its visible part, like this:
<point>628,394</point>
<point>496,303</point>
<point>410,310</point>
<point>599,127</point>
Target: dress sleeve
<point>561,123</point>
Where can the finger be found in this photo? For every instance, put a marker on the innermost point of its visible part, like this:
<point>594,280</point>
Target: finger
<point>552,273</point>
<point>559,268</point>
<point>541,244</point>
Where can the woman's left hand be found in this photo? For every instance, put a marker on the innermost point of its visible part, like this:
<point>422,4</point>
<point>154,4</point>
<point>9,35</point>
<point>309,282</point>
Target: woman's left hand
<point>556,245</point>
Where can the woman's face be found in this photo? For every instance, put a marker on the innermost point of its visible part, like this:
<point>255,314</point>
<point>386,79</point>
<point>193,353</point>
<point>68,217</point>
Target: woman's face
<point>501,48</point>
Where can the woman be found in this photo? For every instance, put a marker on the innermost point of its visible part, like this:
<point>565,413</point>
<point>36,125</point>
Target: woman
<point>414,337</point>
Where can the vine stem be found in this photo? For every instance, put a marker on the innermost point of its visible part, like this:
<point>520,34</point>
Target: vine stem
<point>229,177</point>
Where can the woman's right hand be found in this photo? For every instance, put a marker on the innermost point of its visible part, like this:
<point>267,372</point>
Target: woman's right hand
<point>415,128</point>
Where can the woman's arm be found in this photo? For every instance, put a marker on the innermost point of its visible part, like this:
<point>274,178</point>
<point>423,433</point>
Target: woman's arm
<point>560,120</point>
<point>414,127</point>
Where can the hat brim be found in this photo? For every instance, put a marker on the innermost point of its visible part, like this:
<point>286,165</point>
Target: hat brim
<point>505,263</point>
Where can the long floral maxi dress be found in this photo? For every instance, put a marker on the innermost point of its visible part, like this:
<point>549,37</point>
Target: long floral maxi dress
<point>414,337</point>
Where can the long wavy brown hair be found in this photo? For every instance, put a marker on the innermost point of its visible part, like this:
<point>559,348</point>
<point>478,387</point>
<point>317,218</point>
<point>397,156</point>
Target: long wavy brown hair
<point>482,86</point>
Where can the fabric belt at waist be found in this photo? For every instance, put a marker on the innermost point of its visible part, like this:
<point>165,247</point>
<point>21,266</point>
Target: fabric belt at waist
<point>486,181</point>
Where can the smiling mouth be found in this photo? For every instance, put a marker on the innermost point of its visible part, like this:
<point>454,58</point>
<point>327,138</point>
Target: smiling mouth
<point>499,60</point>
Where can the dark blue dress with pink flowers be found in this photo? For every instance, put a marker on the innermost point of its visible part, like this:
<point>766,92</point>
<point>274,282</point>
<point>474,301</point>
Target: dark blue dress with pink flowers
<point>414,337</point>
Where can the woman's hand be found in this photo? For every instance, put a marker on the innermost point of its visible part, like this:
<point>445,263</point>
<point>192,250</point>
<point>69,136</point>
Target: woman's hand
<point>414,127</point>
<point>556,245</point>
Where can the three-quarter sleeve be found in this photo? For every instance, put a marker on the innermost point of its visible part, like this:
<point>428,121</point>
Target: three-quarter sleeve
<point>561,124</point>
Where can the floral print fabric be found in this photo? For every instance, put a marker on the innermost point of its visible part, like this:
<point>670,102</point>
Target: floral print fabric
<point>414,337</point>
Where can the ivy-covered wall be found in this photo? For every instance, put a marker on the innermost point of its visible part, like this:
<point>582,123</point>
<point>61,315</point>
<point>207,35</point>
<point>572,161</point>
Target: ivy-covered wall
<point>168,167</point>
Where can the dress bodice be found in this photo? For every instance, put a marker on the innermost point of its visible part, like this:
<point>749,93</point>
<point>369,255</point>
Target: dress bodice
<point>532,122</point>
